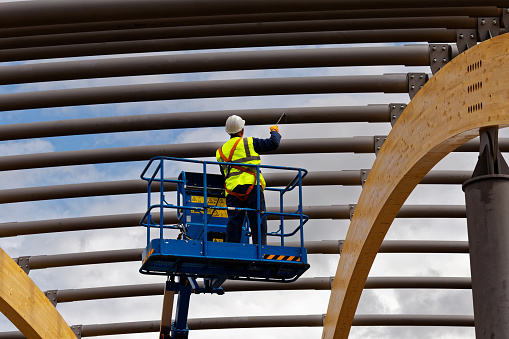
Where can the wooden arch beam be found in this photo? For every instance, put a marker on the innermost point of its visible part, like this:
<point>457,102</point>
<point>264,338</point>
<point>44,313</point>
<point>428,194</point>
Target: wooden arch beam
<point>470,92</point>
<point>26,306</point>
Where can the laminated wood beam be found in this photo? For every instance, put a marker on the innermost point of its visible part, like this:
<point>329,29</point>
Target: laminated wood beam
<point>469,93</point>
<point>26,306</point>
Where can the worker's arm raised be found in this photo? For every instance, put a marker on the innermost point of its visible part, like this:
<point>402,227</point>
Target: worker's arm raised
<point>267,145</point>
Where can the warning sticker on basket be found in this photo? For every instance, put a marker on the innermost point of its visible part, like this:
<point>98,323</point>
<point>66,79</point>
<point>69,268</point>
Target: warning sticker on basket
<point>211,202</point>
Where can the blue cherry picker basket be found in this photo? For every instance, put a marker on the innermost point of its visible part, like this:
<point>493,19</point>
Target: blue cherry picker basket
<point>199,218</point>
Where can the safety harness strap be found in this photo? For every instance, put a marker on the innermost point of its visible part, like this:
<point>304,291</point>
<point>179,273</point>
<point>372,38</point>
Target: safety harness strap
<point>241,196</point>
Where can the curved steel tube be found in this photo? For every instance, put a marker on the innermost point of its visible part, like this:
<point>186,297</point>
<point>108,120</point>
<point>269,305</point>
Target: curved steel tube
<point>438,35</point>
<point>387,83</point>
<point>414,55</point>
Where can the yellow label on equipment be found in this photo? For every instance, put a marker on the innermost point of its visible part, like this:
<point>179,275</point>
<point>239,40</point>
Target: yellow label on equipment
<point>211,201</point>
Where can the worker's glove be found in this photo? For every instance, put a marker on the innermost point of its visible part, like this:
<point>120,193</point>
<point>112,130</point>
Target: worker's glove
<point>274,128</point>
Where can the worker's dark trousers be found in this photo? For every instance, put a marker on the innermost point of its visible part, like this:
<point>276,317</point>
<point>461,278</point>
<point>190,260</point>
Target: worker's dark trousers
<point>236,218</point>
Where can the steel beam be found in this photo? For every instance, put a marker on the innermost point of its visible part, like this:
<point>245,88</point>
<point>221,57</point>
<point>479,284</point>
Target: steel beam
<point>412,55</point>
<point>144,153</point>
<point>341,212</point>
<point>246,18</point>
<point>357,144</point>
<point>272,321</point>
<point>53,12</point>
<point>313,247</point>
<point>413,320</point>
<point>94,189</point>
<point>387,83</point>
<point>315,283</point>
<point>202,30</point>
<point>143,122</point>
<point>436,35</point>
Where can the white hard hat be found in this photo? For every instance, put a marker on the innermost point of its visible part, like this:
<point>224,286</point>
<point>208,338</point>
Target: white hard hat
<point>234,124</point>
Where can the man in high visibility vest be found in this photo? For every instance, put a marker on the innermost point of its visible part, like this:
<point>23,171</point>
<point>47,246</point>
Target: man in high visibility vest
<point>240,181</point>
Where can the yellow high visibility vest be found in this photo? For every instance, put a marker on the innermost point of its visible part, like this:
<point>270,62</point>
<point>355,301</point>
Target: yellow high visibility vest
<point>243,153</point>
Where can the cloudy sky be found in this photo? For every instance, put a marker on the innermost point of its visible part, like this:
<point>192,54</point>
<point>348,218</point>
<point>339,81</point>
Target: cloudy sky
<point>447,302</point>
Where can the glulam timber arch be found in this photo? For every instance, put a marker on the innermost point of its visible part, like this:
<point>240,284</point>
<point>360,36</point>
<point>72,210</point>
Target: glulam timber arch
<point>469,93</point>
<point>24,304</point>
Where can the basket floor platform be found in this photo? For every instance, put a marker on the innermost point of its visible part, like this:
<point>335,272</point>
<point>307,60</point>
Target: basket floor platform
<point>233,260</point>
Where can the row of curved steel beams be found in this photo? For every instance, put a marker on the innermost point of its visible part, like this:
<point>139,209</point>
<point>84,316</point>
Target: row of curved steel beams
<point>54,29</point>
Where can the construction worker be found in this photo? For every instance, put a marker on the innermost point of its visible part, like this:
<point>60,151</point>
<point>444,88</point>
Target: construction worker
<point>240,181</point>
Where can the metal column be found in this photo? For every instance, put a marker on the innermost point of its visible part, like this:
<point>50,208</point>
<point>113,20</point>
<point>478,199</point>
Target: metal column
<point>487,198</point>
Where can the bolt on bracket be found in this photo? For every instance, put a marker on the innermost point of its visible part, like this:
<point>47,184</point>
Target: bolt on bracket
<point>465,39</point>
<point>24,263</point>
<point>352,210</point>
<point>364,176</point>
<point>340,246</point>
<point>488,27</point>
<point>415,82</point>
<point>396,110</point>
<point>52,295</point>
<point>378,142</point>
<point>77,330</point>
<point>439,56</point>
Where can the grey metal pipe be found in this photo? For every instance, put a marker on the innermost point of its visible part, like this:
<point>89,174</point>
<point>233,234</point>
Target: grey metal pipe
<point>203,30</point>
<point>71,295</point>
<point>139,186</point>
<point>412,55</point>
<point>357,144</point>
<point>142,122</point>
<point>313,247</point>
<point>84,258</point>
<point>10,229</point>
<point>413,320</point>
<point>53,12</point>
<point>245,18</point>
<point>315,283</point>
<point>144,153</point>
<point>423,246</point>
<point>126,291</point>
<point>419,282</point>
<point>344,177</point>
<point>473,145</point>
<point>440,177</point>
<point>432,211</point>
<point>387,83</point>
<point>438,35</point>
<point>273,321</point>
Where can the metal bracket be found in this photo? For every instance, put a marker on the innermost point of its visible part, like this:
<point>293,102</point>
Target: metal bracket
<point>490,159</point>
<point>396,110</point>
<point>505,19</point>
<point>352,210</point>
<point>364,176</point>
<point>465,39</point>
<point>439,56</point>
<point>52,295</point>
<point>379,141</point>
<point>340,246</point>
<point>487,28</point>
<point>24,263</point>
<point>77,329</point>
<point>415,82</point>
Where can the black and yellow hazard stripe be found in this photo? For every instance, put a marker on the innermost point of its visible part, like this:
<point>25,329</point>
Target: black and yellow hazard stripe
<point>281,257</point>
